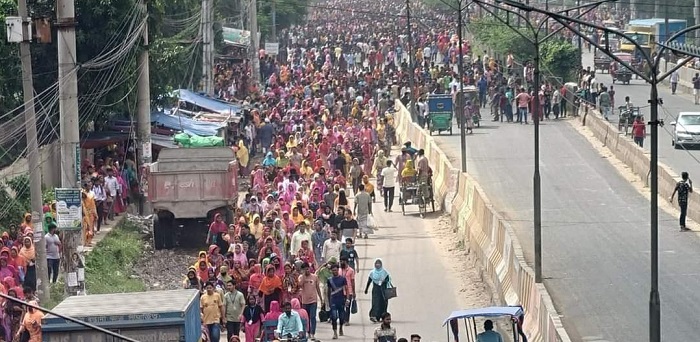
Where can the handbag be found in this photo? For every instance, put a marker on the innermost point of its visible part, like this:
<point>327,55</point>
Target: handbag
<point>390,291</point>
<point>353,307</point>
<point>323,315</point>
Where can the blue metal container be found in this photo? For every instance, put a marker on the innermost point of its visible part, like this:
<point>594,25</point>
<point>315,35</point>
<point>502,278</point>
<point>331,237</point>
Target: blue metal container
<point>163,316</point>
<point>439,103</point>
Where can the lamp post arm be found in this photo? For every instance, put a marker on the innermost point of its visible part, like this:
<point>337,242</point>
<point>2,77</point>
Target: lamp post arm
<point>578,16</point>
<point>560,18</point>
<point>679,65</point>
<point>485,6</point>
<point>664,46</point>
<point>611,55</point>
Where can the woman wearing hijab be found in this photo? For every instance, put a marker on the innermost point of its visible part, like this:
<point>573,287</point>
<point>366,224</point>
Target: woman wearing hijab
<point>379,279</point>
<point>215,257</point>
<point>252,318</point>
<point>243,157</point>
<point>255,277</point>
<point>191,281</point>
<point>29,253</point>
<point>270,288</point>
<point>269,160</point>
<point>238,254</point>
<point>31,323</point>
<point>409,171</point>
<point>296,306</point>
<point>290,284</point>
<point>217,229</point>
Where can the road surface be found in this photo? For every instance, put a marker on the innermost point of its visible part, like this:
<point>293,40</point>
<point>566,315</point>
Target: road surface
<point>431,273</point>
<point>638,91</point>
<point>595,231</point>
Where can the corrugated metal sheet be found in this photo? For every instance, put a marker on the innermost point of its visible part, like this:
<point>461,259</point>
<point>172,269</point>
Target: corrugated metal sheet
<point>138,305</point>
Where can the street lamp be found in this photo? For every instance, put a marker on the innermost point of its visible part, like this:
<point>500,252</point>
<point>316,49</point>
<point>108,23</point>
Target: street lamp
<point>536,41</point>
<point>653,79</point>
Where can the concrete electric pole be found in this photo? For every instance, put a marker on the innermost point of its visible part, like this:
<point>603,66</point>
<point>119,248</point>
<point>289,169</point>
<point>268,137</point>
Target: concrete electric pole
<point>70,135</point>
<point>143,103</point>
<point>411,67</point>
<point>273,29</point>
<point>33,155</point>
<point>207,48</point>
<point>254,41</point>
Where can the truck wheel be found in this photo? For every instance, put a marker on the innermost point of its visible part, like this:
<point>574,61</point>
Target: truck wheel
<point>158,234</point>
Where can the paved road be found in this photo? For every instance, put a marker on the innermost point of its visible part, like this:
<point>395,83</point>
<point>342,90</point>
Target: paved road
<point>429,290</point>
<point>595,231</point>
<point>638,91</point>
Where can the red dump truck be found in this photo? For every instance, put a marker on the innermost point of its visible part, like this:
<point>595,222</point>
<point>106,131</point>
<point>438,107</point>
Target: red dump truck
<point>186,188</point>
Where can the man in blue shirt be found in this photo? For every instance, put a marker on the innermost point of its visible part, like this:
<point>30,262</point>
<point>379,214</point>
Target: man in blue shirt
<point>483,86</point>
<point>289,323</point>
<point>489,335</point>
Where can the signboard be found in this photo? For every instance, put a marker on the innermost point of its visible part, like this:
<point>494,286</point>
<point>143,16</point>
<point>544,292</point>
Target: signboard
<point>236,37</point>
<point>147,152</point>
<point>164,334</point>
<point>272,48</point>
<point>69,208</point>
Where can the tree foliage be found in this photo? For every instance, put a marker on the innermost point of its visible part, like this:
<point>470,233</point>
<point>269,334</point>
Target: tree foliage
<point>558,58</point>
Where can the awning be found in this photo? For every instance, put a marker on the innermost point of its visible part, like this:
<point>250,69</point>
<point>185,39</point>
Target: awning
<point>208,103</point>
<point>182,123</point>
<point>101,139</point>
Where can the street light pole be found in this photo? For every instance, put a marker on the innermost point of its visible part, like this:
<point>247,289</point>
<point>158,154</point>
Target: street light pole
<point>536,40</point>
<point>653,79</point>
<point>411,68</point>
<point>460,100</point>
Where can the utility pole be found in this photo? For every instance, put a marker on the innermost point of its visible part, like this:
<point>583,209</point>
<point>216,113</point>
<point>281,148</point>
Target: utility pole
<point>68,106</point>
<point>143,104</point>
<point>273,29</point>
<point>254,42</point>
<point>207,48</point>
<point>460,103</point>
<point>411,68</point>
<point>33,151</point>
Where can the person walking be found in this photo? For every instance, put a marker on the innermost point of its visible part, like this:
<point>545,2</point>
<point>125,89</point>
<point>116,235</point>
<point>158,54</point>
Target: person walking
<point>337,294</point>
<point>683,188</point>
<point>639,131</point>
<point>53,252</point>
<point>310,291</point>
<point>212,311</point>
<point>696,88</point>
<point>363,208</point>
<point>385,332</point>
<point>604,103</point>
<point>379,279</point>
<point>234,303</point>
<point>389,174</point>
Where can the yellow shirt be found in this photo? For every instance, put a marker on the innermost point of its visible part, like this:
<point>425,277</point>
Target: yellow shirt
<point>211,307</point>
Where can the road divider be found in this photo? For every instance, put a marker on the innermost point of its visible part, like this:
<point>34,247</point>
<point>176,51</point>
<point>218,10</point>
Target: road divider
<point>635,157</point>
<point>486,234</point>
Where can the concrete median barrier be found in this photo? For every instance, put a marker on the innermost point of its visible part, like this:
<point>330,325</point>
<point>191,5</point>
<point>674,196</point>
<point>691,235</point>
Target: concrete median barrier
<point>487,235</point>
<point>636,158</point>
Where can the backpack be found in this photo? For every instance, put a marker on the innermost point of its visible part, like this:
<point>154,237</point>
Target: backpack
<point>683,190</point>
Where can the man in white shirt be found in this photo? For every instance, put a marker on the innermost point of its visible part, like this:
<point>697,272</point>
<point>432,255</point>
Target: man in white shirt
<point>53,252</point>
<point>112,187</point>
<point>300,235</point>
<point>332,247</point>
<point>100,197</point>
<point>389,173</point>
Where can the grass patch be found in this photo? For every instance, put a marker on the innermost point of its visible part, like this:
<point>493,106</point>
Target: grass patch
<point>110,264</point>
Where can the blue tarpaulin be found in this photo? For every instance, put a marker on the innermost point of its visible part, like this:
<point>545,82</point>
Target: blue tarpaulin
<point>207,103</point>
<point>187,125</point>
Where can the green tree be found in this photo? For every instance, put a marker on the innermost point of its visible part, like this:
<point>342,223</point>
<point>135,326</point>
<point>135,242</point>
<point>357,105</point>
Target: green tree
<point>558,58</point>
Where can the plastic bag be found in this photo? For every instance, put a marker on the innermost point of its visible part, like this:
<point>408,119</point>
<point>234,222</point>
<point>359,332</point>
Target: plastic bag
<point>370,222</point>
